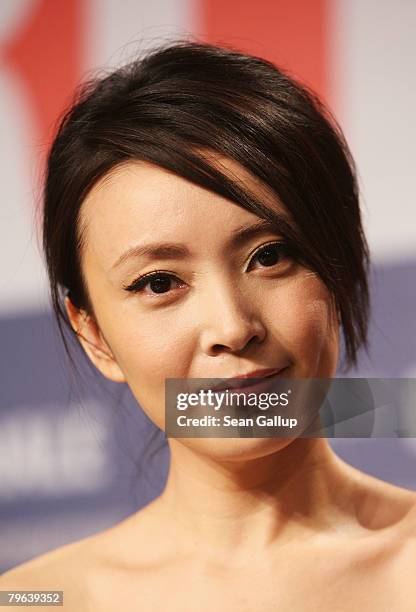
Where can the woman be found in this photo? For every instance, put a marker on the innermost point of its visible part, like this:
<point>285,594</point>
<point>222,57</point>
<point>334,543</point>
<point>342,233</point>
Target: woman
<point>201,209</point>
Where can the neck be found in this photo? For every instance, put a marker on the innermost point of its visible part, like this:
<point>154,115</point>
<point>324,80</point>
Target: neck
<point>238,509</point>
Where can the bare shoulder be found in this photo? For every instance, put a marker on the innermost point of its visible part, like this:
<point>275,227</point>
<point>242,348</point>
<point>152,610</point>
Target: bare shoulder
<point>390,506</point>
<point>62,569</point>
<point>387,514</point>
<point>88,571</point>
<point>402,544</point>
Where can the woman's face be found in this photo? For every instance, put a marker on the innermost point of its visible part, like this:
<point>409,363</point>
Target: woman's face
<point>218,307</point>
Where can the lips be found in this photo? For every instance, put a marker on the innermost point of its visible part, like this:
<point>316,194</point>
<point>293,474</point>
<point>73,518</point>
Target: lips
<point>243,381</point>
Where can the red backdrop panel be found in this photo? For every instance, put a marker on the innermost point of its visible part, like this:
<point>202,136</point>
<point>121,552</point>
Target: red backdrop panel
<point>290,33</point>
<point>47,53</point>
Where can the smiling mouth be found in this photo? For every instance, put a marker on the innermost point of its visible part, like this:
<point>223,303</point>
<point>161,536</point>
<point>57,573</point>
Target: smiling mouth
<point>244,385</point>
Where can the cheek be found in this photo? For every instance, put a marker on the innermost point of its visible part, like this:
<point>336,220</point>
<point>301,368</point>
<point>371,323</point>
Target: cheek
<point>149,353</point>
<point>149,350</point>
<point>309,328</point>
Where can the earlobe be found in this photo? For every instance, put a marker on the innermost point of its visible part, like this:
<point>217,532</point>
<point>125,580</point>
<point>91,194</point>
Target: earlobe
<point>93,342</point>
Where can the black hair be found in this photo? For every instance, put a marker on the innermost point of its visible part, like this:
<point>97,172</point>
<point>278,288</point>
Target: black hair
<point>182,99</point>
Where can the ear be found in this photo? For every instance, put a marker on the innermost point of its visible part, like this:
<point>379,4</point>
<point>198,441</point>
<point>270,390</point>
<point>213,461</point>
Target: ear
<point>93,342</point>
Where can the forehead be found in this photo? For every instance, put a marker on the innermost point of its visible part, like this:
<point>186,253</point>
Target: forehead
<point>142,201</point>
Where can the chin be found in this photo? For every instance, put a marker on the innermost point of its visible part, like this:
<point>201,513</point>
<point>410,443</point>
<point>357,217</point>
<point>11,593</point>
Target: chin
<point>235,449</point>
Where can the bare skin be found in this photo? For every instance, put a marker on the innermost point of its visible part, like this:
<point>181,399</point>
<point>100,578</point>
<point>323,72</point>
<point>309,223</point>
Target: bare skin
<point>243,524</point>
<point>359,546</point>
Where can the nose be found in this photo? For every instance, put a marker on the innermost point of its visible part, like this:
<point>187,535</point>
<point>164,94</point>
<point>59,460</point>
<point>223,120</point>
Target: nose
<point>233,323</point>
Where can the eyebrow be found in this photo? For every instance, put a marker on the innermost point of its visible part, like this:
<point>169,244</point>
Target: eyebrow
<point>178,251</point>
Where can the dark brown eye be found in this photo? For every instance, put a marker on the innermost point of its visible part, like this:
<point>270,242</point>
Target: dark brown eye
<point>160,283</point>
<point>271,254</point>
<point>157,282</point>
